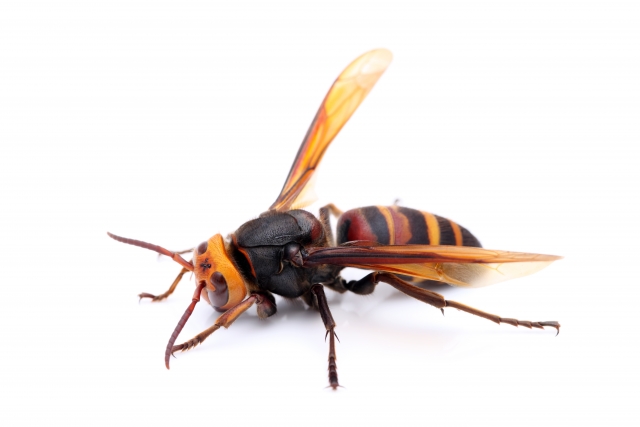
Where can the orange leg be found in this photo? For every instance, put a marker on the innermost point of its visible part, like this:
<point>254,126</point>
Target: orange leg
<point>174,285</point>
<point>266,307</point>
<point>225,321</point>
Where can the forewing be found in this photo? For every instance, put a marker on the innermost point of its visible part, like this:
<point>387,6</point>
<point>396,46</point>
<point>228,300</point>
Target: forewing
<point>344,97</point>
<point>455,265</point>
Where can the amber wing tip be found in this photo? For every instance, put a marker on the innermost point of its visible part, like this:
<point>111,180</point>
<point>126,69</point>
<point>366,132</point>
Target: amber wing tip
<point>377,60</point>
<point>383,52</point>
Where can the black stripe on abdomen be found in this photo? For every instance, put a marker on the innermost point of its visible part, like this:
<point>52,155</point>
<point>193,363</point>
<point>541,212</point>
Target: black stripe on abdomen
<point>377,223</point>
<point>447,236</point>
<point>469,239</point>
<point>417,225</point>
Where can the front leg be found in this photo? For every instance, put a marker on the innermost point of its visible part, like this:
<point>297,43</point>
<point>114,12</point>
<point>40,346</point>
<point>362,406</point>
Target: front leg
<point>329,324</point>
<point>160,297</point>
<point>266,307</point>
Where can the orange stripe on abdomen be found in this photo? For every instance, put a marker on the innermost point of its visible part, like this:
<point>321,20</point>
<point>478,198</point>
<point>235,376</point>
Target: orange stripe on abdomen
<point>433,229</point>
<point>456,232</point>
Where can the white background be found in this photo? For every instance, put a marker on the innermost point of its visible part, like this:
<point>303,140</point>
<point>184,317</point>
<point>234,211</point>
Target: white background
<point>172,121</point>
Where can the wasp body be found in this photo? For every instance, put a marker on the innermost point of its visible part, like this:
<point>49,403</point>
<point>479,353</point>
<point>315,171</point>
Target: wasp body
<point>289,252</point>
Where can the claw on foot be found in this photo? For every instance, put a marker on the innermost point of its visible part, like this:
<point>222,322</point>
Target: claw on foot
<point>195,341</point>
<point>553,324</point>
<point>528,324</point>
<point>154,298</point>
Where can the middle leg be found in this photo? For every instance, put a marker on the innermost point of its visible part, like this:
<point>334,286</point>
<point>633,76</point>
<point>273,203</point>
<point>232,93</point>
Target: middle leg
<point>329,324</point>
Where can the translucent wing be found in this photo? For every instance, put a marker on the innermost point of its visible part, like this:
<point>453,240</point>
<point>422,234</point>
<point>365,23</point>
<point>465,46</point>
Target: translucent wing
<point>455,265</point>
<point>344,97</point>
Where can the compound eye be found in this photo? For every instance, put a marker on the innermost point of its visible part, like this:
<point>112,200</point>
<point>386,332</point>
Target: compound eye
<point>202,247</point>
<point>218,280</point>
<point>220,296</point>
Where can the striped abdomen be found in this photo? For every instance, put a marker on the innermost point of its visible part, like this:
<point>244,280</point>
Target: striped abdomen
<point>395,225</point>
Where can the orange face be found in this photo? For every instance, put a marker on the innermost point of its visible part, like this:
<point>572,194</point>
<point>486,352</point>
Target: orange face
<point>212,265</point>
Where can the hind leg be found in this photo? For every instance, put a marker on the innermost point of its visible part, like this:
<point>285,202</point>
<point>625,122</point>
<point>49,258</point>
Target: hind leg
<point>367,284</point>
